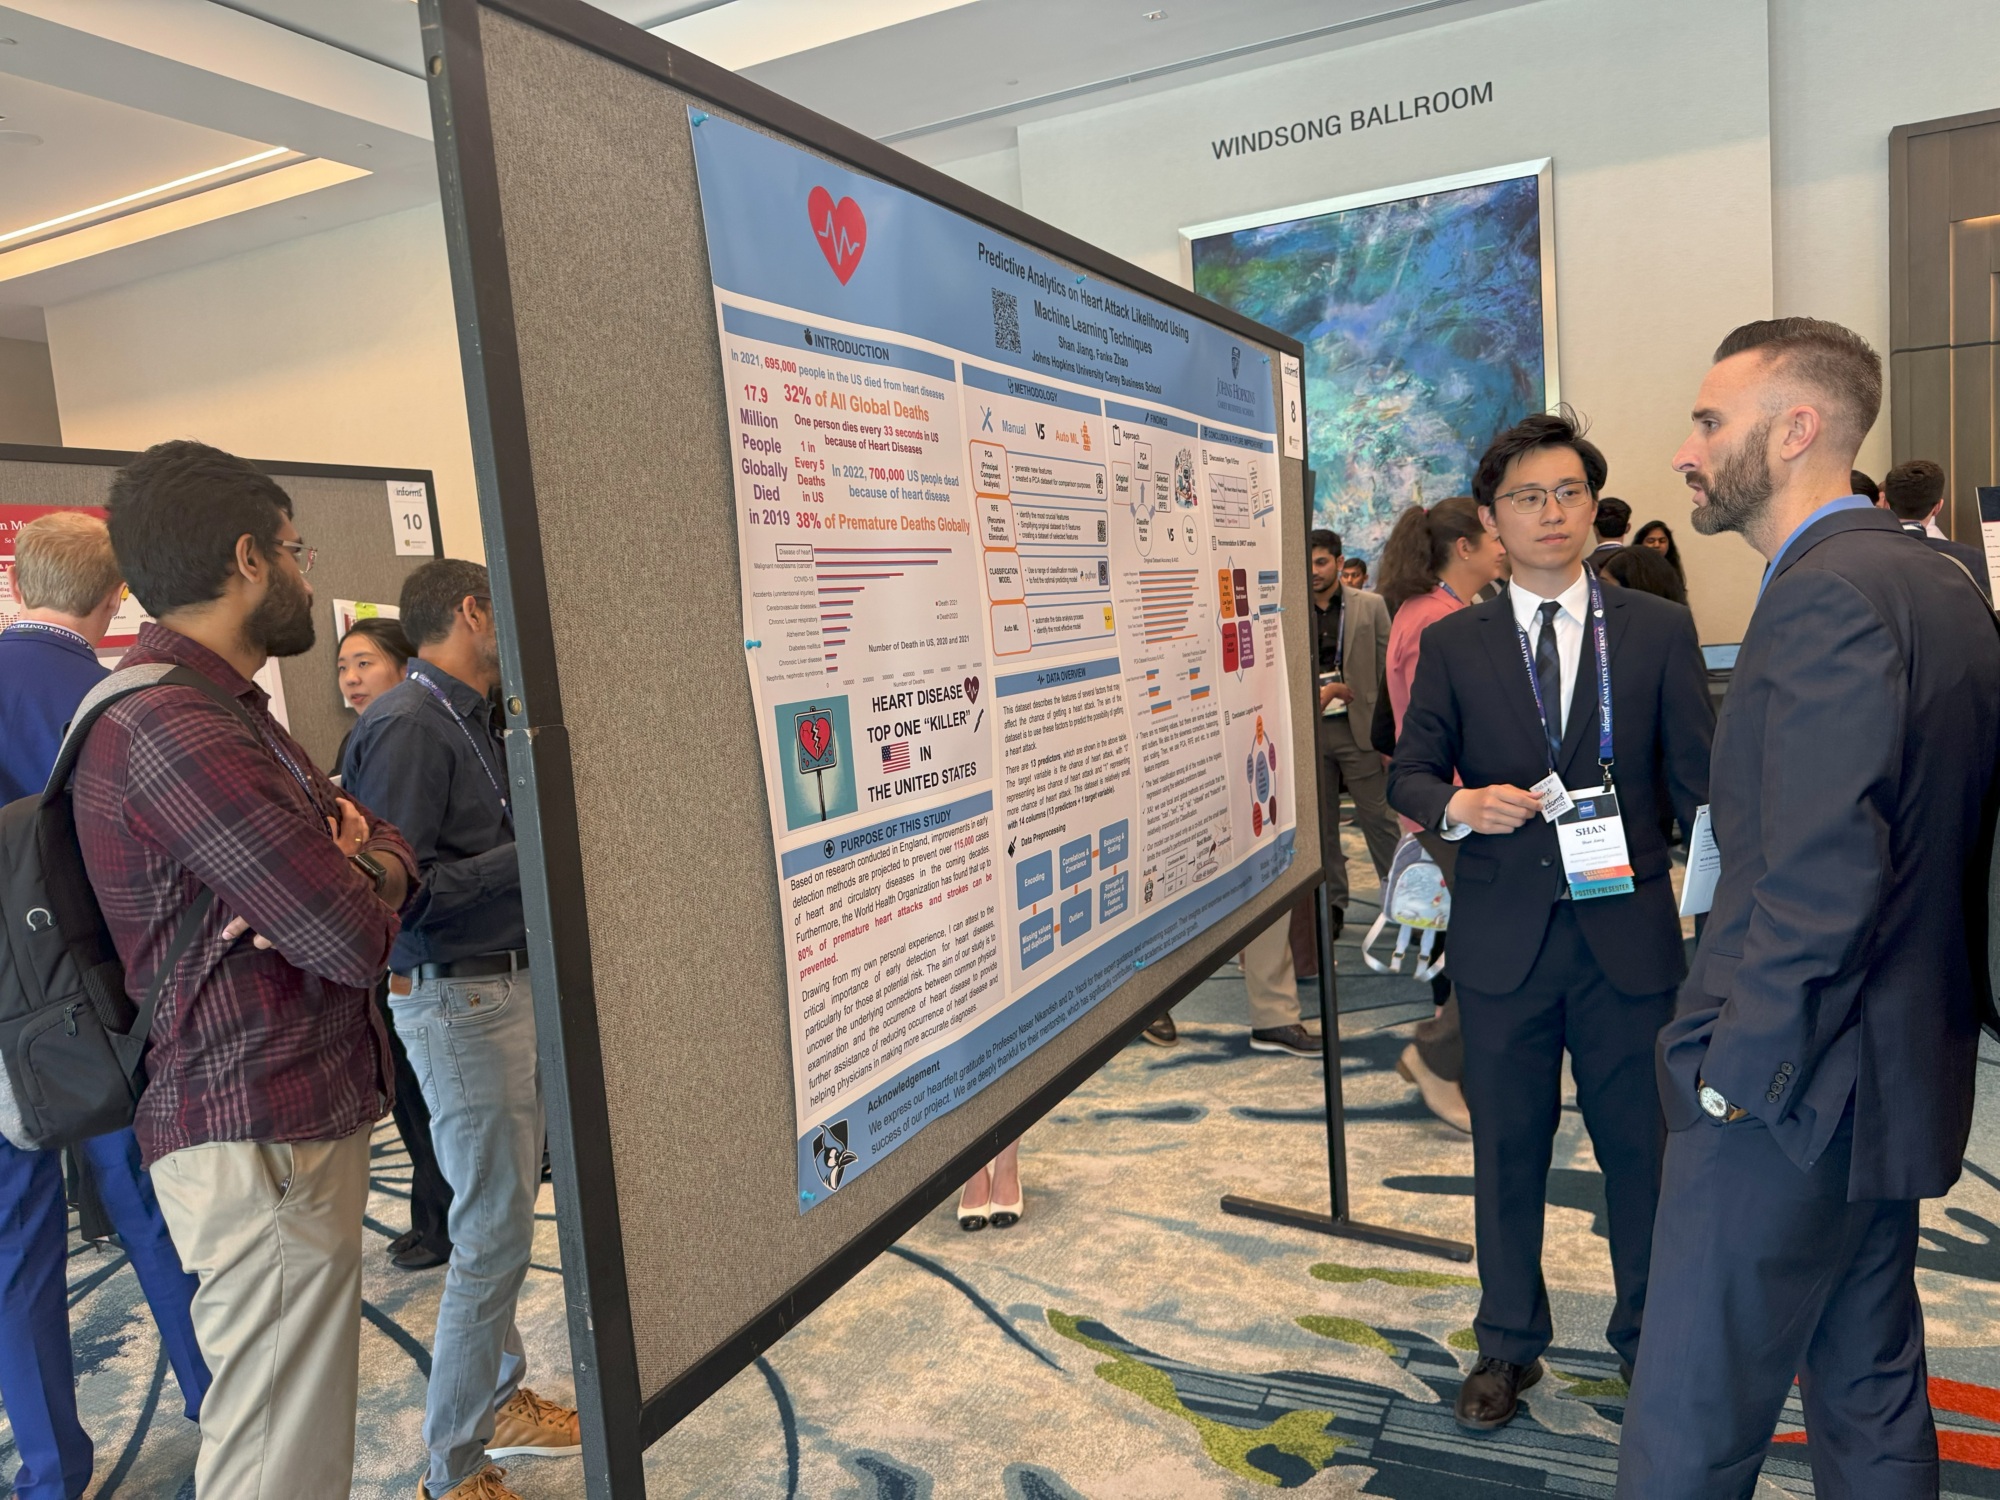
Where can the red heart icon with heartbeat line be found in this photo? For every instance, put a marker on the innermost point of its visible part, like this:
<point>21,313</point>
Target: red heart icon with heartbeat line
<point>815,735</point>
<point>972,690</point>
<point>841,230</point>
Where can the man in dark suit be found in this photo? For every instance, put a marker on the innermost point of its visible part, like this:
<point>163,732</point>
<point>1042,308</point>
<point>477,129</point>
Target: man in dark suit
<point>1913,493</point>
<point>1561,936</point>
<point>1613,525</point>
<point>1818,1074</point>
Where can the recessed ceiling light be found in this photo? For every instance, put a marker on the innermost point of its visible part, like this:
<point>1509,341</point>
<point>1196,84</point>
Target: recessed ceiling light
<point>1153,15</point>
<point>97,209</point>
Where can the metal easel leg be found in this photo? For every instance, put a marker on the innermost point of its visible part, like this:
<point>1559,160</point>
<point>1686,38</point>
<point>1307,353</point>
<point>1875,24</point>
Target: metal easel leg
<point>1338,1222</point>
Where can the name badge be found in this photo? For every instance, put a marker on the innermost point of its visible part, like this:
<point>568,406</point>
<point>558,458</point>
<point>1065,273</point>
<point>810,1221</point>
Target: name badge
<point>1555,797</point>
<point>1704,866</point>
<point>1592,837</point>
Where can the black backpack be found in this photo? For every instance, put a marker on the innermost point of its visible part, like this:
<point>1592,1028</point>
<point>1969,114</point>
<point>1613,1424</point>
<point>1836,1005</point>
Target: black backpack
<point>72,1042</point>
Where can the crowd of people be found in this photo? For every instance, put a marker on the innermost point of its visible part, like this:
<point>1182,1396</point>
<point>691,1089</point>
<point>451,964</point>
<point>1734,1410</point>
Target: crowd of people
<point>1520,700</point>
<point>326,951</point>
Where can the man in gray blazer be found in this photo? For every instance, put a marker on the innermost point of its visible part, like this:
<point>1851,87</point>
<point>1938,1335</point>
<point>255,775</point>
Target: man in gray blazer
<point>1817,1076</point>
<point>1351,653</point>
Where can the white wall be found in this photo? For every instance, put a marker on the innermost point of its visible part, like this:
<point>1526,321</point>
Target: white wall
<point>27,393</point>
<point>335,348</point>
<point>1844,73</point>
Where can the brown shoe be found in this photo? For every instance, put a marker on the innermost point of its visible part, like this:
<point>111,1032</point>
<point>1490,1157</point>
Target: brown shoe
<point>1442,1097</point>
<point>529,1427</point>
<point>1491,1394</point>
<point>1162,1033</point>
<point>485,1485</point>
<point>1293,1039</point>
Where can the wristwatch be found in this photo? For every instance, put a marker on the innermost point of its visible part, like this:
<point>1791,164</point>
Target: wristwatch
<point>369,865</point>
<point>1717,1107</point>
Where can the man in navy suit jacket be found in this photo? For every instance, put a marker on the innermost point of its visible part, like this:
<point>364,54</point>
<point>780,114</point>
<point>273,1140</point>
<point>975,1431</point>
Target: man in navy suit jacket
<point>1507,694</point>
<point>1817,1076</point>
<point>66,577</point>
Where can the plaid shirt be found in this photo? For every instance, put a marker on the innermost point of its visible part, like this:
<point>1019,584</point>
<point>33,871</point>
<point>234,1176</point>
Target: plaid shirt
<point>172,793</point>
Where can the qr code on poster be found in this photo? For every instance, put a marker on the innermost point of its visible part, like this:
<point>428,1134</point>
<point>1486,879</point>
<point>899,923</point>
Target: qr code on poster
<point>1006,321</point>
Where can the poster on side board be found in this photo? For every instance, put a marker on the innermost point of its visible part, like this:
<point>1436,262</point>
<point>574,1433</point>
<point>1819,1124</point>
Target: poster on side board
<point>1012,575</point>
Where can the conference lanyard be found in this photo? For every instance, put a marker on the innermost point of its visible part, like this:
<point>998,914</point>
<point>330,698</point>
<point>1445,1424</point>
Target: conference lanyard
<point>471,744</point>
<point>54,632</point>
<point>1604,755</point>
<point>1339,628</point>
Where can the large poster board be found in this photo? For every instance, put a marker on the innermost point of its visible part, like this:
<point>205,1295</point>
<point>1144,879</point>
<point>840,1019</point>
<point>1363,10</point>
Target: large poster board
<point>1011,567</point>
<point>667,810</point>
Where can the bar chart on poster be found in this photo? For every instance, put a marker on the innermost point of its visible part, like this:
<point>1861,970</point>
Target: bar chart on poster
<point>1011,581</point>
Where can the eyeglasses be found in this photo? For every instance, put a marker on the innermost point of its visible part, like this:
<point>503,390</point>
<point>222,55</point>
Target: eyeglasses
<point>301,554</point>
<point>1532,498</point>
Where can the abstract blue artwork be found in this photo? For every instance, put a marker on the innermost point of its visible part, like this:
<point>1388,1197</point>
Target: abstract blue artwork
<point>1424,331</point>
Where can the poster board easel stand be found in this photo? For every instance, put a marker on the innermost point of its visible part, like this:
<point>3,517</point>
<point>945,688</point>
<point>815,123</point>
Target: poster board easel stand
<point>1339,1221</point>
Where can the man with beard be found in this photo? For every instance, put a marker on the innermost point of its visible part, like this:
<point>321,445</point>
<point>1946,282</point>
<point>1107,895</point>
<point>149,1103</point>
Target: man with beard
<point>267,1062</point>
<point>1817,1076</point>
<point>429,753</point>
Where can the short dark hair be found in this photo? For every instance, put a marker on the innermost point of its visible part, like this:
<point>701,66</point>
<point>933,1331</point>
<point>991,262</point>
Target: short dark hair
<point>1646,570</point>
<point>1545,429</point>
<point>1864,486</point>
<point>432,594</point>
<point>386,633</point>
<point>1913,489</point>
<point>175,514</point>
<point>1321,537</point>
<point>1836,361</point>
<point>1614,517</point>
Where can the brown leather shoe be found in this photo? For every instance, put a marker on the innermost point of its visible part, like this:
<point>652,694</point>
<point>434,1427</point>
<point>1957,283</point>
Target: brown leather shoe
<point>1162,1033</point>
<point>488,1484</point>
<point>1491,1394</point>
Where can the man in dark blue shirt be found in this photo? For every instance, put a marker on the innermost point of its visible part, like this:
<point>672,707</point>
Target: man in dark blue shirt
<point>48,655</point>
<point>428,756</point>
<point>67,582</point>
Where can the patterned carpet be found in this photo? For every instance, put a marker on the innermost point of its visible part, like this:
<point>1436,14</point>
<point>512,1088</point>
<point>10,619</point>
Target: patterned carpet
<point>1126,1341</point>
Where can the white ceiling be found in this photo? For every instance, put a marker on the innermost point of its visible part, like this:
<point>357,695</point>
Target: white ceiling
<point>105,98</point>
<point>90,151</point>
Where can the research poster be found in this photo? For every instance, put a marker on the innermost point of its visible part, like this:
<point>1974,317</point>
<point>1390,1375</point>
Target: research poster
<point>1012,575</point>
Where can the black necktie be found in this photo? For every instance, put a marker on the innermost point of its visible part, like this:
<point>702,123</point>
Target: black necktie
<point>1548,673</point>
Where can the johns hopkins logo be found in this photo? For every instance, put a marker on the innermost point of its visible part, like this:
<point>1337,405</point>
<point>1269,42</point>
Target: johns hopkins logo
<point>831,1158</point>
<point>1235,360</point>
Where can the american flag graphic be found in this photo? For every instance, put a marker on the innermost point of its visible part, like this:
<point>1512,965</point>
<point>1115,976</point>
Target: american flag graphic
<point>896,757</point>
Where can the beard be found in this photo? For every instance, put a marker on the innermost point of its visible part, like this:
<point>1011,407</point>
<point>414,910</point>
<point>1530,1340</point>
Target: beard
<point>282,622</point>
<point>1740,489</point>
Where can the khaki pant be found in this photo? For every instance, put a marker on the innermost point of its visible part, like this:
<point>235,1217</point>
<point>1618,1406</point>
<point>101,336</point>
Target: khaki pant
<point>274,1234</point>
<point>1268,976</point>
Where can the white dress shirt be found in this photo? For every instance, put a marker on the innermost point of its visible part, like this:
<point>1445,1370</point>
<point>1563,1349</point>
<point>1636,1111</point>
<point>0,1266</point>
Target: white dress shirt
<point>1572,602</point>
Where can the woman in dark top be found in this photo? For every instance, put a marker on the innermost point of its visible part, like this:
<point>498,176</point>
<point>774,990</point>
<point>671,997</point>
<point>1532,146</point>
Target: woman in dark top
<point>1654,534</point>
<point>371,659</point>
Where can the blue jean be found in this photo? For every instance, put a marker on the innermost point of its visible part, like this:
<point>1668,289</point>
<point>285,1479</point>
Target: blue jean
<point>37,1374</point>
<point>472,1046</point>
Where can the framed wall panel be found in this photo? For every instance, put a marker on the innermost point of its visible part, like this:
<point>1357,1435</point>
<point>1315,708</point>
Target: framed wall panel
<point>341,509</point>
